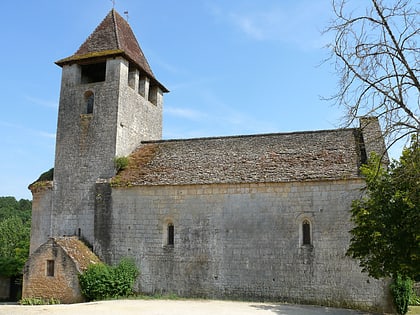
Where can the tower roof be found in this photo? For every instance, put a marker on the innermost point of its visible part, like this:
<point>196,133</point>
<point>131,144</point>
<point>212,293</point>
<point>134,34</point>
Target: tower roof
<point>112,37</point>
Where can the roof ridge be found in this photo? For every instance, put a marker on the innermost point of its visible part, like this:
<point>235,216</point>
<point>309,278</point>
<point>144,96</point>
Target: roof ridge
<point>113,36</point>
<point>270,134</point>
<point>114,20</point>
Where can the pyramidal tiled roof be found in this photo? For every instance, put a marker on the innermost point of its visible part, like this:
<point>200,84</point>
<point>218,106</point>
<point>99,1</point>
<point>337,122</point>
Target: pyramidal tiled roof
<point>112,37</point>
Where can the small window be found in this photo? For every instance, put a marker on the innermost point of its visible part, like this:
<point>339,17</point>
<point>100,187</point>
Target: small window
<point>144,86</point>
<point>89,101</point>
<point>306,232</point>
<point>171,234</point>
<point>153,94</point>
<point>132,75</point>
<point>93,73</point>
<point>50,268</point>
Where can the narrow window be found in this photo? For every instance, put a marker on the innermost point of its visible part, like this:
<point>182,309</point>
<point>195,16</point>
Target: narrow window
<point>306,233</point>
<point>153,94</point>
<point>89,101</point>
<point>171,232</point>
<point>50,268</point>
<point>132,74</point>
<point>144,84</point>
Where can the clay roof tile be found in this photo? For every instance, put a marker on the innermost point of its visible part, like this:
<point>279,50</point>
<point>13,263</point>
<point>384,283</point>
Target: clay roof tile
<point>284,157</point>
<point>113,36</point>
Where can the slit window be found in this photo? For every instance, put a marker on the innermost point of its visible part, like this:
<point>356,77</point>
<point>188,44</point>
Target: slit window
<point>93,73</point>
<point>132,75</point>
<point>50,268</point>
<point>171,234</point>
<point>144,87</point>
<point>89,101</point>
<point>306,232</point>
<point>153,94</point>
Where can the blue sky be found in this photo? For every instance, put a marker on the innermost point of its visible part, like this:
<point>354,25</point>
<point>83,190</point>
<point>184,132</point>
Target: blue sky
<point>233,67</point>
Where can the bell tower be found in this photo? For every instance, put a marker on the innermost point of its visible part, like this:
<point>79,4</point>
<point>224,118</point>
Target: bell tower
<point>110,101</point>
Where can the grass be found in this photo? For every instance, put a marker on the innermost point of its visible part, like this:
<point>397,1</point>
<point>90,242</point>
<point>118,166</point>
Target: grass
<point>413,310</point>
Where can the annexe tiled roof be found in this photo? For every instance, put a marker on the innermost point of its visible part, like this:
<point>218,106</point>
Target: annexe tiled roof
<point>113,37</point>
<point>282,157</point>
<point>79,253</point>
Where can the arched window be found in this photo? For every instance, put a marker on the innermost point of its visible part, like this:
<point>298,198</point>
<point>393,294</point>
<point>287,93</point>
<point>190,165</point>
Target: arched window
<point>306,232</point>
<point>171,234</point>
<point>89,101</point>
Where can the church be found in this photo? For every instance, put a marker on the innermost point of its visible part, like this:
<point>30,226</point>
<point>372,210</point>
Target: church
<point>252,217</point>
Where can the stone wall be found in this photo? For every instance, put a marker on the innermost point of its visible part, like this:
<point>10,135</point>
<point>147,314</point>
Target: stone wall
<point>41,214</point>
<point>87,142</point>
<point>64,285</point>
<point>239,241</point>
<point>138,119</point>
<point>373,139</point>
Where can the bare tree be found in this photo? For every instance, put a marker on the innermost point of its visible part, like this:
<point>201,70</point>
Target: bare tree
<point>377,59</point>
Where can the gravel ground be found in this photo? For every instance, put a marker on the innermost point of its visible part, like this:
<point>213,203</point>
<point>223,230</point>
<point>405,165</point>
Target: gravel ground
<point>178,307</point>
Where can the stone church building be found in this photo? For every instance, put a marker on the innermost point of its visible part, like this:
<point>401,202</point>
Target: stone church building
<point>261,217</point>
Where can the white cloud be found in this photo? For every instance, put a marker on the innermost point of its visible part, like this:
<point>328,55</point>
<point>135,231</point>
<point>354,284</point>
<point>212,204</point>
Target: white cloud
<point>249,26</point>
<point>299,23</point>
<point>47,134</point>
<point>42,102</point>
<point>28,131</point>
<point>214,115</point>
<point>186,113</point>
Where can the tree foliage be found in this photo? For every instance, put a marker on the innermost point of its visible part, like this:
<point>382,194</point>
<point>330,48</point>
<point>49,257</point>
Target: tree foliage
<point>9,207</point>
<point>386,236</point>
<point>377,59</point>
<point>15,230</point>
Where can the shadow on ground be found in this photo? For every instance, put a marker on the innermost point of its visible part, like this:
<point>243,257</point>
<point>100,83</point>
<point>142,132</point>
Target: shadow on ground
<point>290,309</point>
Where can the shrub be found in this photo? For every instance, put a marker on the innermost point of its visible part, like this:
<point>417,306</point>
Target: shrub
<point>415,300</point>
<point>121,163</point>
<point>95,282</point>
<point>101,281</point>
<point>48,175</point>
<point>401,290</point>
<point>124,276</point>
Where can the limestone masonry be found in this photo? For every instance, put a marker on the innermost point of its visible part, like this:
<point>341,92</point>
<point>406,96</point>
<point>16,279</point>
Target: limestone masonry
<point>260,217</point>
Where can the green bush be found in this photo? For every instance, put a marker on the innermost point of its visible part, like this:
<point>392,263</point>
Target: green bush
<point>414,300</point>
<point>124,276</point>
<point>121,163</point>
<point>101,281</point>
<point>48,175</point>
<point>95,282</point>
<point>401,290</point>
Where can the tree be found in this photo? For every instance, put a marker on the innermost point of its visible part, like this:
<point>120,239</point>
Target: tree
<point>386,236</point>
<point>15,229</point>
<point>9,207</point>
<point>377,59</point>
<point>14,245</point>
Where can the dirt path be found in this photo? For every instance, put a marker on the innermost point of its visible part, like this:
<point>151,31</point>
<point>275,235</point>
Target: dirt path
<point>180,307</point>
